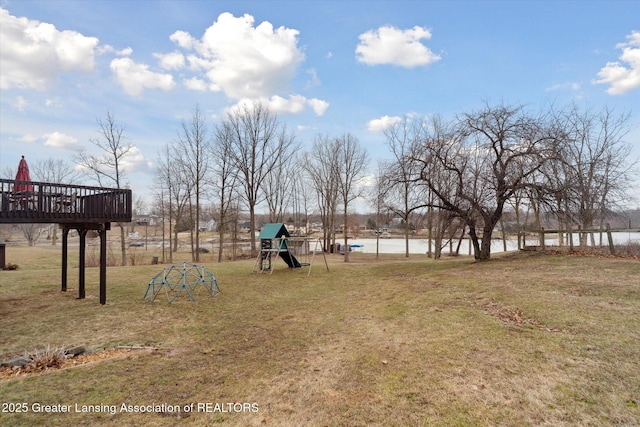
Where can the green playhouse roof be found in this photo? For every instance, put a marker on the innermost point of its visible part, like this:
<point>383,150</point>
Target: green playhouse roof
<point>273,231</point>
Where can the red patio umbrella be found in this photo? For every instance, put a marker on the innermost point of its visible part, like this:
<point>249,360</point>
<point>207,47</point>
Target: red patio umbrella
<point>22,175</point>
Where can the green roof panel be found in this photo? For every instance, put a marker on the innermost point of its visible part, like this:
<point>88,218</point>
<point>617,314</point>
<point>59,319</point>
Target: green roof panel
<point>273,230</point>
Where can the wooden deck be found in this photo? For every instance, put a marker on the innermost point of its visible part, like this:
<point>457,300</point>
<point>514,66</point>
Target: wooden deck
<point>73,207</point>
<point>63,204</point>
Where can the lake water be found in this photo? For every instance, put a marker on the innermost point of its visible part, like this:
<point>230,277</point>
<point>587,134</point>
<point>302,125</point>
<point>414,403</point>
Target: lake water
<point>420,246</point>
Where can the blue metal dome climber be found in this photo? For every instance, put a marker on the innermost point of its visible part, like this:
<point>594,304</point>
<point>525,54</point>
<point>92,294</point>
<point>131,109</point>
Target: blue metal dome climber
<point>180,277</point>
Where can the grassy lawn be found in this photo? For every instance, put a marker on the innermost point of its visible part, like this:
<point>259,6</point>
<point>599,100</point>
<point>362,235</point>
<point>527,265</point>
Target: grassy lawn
<point>525,339</point>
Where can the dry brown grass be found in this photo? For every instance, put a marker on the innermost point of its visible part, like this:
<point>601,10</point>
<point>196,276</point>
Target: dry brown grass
<point>526,339</point>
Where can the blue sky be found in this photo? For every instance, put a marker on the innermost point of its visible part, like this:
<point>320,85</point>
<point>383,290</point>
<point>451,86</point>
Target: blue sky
<point>324,66</point>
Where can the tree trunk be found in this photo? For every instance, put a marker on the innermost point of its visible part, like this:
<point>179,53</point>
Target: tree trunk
<point>485,248</point>
<point>123,245</point>
<point>504,235</point>
<point>221,242</point>
<point>474,241</point>
<point>236,218</point>
<point>192,243</point>
<point>170,230</point>
<point>345,231</point>
<point>406,225</point>
<point>175,239</point>
<point>406,237</point>
<point>197,259</point>
<point>429,225</point>
<point>252,229</point>
<point>437,250</point>
<point>460,241</point>
<point>518,227</point>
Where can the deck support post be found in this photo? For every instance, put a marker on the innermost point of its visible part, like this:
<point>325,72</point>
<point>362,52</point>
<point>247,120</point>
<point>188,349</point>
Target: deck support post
<point>72,207</point>
<point>103,264</point>
<point>83,243</point>
<point>65,252</point>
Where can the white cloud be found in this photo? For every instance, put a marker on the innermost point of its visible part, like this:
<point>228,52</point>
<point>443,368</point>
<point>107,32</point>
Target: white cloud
<point>368,180</point>
<point>59,140</point>
<point>134,78</point>
<point>196,84</point>
<point>314,80</point>
<point>53,103</point>
<point>566,85</point>
<point>319,106</point>
<point>171,61</point>
<point>29,138</point>
<point>241,60</point>
<point>34,53</point>
<point>127,51</point>
<point>20,103</point>
<point>183,39</point>
<point>134,161</point>
<point>390,45</point>
<point>384,122</point>
<point>247,62</point>
<point>623,76</point>
<point>294,104</point>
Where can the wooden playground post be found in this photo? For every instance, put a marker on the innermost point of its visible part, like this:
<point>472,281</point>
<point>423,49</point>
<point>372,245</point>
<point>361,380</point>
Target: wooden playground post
<point>610,238</point>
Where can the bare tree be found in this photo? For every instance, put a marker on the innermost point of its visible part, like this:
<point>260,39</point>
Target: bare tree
<point>322,165</point>
<point>301,198</point>
<point>193,153</point>
<point>160,208</point>
<point>172,181</point>
<point>139,207</point>
<point>8,172</point>
<point>441,183</point>
<point>405,195</point>
<point>257,143</point>
<point>54,171</point>
<point>108,169</point>
<point>596,165</point>
<point>476,165</point>
<point>31,232</point>
<point>352,163</point>
<point>377,200</point>
<point>225,181</point>
<point>163,192</point>
<point>278,188</point>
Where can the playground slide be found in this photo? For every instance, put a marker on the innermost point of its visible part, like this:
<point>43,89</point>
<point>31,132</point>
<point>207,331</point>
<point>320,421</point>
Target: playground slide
<point>291,261</point>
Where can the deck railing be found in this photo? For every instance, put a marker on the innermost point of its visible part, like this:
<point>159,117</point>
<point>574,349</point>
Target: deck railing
<point>42,202</point>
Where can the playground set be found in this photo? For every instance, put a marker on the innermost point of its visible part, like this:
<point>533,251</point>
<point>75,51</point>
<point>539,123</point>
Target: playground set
<point>182,277</point>
<point>276,243</point>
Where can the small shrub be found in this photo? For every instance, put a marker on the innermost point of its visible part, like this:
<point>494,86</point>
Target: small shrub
<point>41,360</point>
<point>632,248</point>
<point>92,258</point>
<point>241,253</point>
<point>135,256</point>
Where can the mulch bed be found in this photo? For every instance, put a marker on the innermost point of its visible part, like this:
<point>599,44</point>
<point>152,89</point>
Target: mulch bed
<point>10,372</point>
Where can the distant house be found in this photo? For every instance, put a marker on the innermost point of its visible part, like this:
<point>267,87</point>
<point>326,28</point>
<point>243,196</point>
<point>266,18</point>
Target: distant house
<point>211,225</point>
<point>396,222</point>
<point>145,220</point>
<point>244,227</point>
